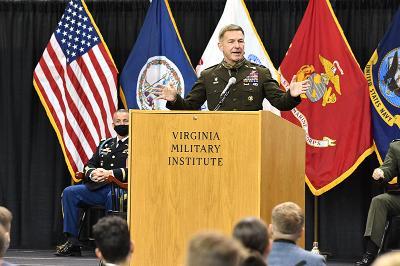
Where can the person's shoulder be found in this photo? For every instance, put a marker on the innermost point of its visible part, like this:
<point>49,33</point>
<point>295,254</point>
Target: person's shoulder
<point>250,63</point>
<point>311,257</point>
<point>260,68</point>
<point>106,142</point>
<point>207,71</point>
<point>395,144</point>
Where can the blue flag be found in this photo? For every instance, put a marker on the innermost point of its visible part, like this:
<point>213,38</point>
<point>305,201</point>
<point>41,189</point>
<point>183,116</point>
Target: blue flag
<point>158,58</point>
<point>383,75</point>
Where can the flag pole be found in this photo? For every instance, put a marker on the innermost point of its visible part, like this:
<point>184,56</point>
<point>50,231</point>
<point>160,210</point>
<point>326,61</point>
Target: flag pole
<point>315,242</point>
<point>315,218</point>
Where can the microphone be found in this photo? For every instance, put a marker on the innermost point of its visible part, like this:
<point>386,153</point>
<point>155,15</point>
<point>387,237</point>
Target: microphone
<point>231,82</point>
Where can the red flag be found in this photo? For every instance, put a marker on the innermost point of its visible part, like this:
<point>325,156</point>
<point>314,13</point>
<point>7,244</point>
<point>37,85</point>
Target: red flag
<point>76,80</point>
<point>335,112</point>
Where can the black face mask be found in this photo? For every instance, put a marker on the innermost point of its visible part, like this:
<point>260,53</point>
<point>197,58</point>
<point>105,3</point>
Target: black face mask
<point>122,130</point>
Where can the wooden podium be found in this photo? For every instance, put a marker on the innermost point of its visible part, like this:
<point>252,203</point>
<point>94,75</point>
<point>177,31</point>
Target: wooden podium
<point>195,171</point>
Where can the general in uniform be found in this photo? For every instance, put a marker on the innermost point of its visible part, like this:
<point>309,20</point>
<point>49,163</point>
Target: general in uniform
<point>249,83</point>
<point>253,84</point>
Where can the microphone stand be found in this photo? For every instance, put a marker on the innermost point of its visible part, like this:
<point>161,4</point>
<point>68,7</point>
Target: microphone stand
<point>221,100</point>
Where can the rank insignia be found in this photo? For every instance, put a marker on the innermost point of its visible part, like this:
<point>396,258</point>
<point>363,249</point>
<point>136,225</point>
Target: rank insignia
<point>215,80</point>
<point>250,98</point>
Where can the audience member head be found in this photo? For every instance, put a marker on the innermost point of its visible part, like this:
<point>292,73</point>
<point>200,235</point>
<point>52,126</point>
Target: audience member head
<point>3,242</point>
<point>112,239</point>
<point>388,259</point>
<point>5,222</point>
<point>253,234</point>
<point>287,221</point>
<point>214,249</point>
<point>5,218</point>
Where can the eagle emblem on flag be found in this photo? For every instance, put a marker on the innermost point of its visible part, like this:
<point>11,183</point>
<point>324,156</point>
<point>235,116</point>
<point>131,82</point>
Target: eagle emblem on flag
<point>322,84</point>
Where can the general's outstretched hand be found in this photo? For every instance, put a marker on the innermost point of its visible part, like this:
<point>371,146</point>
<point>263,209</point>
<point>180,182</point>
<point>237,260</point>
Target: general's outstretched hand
<point>297,88</point>
<point>165,93</point>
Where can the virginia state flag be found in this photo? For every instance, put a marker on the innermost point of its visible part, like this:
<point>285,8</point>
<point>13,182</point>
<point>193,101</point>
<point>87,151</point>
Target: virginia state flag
<point>335,111</point>
<point>235,12</point>
<point>158,58</point>
<point>383,75</point>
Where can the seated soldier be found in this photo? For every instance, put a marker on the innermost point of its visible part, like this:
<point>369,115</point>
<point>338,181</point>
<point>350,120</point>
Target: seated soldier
<point>382,206</point>
<point>109,159</point>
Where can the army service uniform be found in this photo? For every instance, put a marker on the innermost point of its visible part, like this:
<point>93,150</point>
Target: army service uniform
<point>253,84</point>
<point>386,204</point>
<point>109,155</point>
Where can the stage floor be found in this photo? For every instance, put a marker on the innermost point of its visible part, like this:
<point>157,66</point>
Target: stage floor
<point>45,257</point>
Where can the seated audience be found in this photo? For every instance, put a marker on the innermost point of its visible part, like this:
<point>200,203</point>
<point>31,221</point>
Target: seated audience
<point>253,259</point>
<point>113,244</point>
<point>5,220</point>
<point>5,228</point>
<point>253,234</point>
<point>214,249</point>
<point>388,259</point>
<point>286,228</point>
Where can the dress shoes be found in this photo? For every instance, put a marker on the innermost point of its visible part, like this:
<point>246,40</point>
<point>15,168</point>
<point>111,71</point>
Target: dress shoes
<point>366,259</point>
<point>68,250</point>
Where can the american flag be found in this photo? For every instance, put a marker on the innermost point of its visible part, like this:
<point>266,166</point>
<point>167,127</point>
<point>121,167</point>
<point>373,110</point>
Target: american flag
<point>76,80</point>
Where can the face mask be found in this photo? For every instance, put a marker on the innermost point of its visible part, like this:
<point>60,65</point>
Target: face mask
<point>122,130</point>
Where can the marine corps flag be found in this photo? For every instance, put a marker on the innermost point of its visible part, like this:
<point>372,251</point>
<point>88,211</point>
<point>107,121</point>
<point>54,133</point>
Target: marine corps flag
<point>335,112</point>
<point>235,12</point>
<point>158,58</point>
<point>383,75</point>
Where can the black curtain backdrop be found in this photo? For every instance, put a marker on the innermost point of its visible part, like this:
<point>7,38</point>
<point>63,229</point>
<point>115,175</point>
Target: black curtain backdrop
<point>33,171</point>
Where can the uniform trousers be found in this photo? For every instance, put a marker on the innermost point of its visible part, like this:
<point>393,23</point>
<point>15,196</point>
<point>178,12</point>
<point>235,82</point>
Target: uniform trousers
<point>382,207</point>
<point>77,196</point>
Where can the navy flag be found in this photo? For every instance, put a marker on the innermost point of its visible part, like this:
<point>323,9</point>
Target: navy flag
<point>158,58</point>
<point>383,75</point>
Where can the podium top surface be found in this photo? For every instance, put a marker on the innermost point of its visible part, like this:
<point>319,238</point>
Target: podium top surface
<point>198,112</point>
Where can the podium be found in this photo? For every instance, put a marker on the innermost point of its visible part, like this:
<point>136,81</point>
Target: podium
<point>193,171</point>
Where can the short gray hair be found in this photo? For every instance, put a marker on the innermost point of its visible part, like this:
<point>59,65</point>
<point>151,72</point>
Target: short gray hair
<point>122,111</point>
<point>230,27</point>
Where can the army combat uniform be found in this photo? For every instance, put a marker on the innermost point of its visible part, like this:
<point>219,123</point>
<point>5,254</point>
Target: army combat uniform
<point>110,155</point>
<point>386,204</point>
<point>253,84</point>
